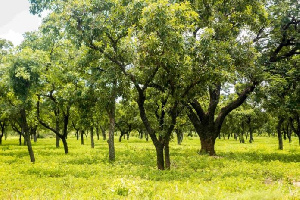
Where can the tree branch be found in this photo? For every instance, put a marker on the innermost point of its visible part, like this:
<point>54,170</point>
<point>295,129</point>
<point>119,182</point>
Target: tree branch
<point>234,104</point>
<point>199,110</point>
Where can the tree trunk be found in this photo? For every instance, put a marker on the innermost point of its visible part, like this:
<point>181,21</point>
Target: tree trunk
<point>29,146</point>
<point>235,136</point>
<point>92,138</point>
<point>179,136</point>
<point>121,135</point>
<point>2,132</point>
<point>20,139</point>
<point>207,146</point>
<point>111,143</point>
<point>251,135</point>
<point>66,148</point>
<point>103,132</point>
<point>290,138</point>
<point>242,139</point>
<point>35,137</point>
<point>279,134</point>
<point>77,134</point>
<point>296,128</point>
<point>97,133</point>
<point>25,140</point>
<point>160,156</point>
<point>146,136</point>
<point>26,132</point>
<point>141,134</point>
<point>81,136</point>
<point>167,156</point>
<point>57,141</point>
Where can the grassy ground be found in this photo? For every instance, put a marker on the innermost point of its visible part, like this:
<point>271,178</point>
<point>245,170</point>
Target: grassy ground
<point>240,171</point>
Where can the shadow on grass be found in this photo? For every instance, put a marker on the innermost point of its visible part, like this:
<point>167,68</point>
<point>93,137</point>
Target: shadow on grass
<point>258,157</point>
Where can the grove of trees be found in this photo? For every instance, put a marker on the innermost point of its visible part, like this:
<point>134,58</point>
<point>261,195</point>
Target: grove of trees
<point>219,68</point>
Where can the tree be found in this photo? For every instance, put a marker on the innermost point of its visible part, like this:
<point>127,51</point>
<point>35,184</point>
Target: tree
<point>235,57</point>
<point>23,76</point>
<point>5,50</point>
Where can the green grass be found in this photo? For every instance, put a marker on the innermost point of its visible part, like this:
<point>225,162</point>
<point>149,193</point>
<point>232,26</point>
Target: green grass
<point>240,171</point>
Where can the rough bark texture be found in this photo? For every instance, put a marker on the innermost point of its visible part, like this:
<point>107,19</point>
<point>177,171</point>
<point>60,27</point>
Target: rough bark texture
<point>65,145</point>
<point>207,146</point>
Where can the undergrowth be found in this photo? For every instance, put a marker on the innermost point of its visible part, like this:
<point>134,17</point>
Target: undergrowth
<point>240,171</point>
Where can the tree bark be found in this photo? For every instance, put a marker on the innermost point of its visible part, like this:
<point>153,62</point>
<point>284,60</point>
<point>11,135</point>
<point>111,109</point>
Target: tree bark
<point>121,135</point>
<point>251,136</point>
<point>103,132</point>
<point>35,137</point>
<point>111,144</point>
<point>81,136</point>
<point>92,137</point>
<point>179,136</point>
<point>29,147</point>
<point>140,134</point>
<point>26,134</point>
<point>160,157</point>
<point>146,136</point>
<point>97,133</point>
<point>279,134</point>
<point>77,134</point>
<point>206,125</point>
<point>20,139</point>
<point>2,131</point>
<point>66,148</point>
<point>167,155</point>
<point>296,128</point>
<point>207,146</point>
<point>57,141</point>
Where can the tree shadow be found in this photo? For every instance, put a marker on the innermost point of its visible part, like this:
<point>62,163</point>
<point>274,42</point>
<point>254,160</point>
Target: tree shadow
<point>258,157</point>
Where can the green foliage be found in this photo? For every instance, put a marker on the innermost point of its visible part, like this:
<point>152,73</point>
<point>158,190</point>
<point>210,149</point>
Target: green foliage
<point>248,171</point>
<point>24,72</point>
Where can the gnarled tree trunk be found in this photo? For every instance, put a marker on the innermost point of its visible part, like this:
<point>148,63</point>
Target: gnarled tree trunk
<point>207,145</point>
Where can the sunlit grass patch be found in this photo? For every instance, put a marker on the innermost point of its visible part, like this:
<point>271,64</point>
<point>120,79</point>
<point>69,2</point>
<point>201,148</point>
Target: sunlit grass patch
<point>239,171</point>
